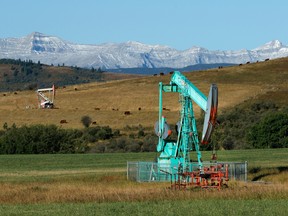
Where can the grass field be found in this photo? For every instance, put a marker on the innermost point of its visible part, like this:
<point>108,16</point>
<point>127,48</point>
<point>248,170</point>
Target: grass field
<point>227,207</point>
<point>95,184</point>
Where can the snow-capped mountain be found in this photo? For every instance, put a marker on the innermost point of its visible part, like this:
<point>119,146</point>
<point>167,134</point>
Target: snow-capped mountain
<point>131,54</point>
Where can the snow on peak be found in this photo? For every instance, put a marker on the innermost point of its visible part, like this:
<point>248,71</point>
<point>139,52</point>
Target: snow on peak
<point>134,43</point>
<point>53,50</point>
<point>36,34</point>
<point>40,42</point>
<point>274,44</point>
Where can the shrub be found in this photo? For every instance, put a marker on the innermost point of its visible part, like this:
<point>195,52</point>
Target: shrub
<point>235,124</point>
<point>43,139</point>
<point>271,132</point>
<point>149,143</point>
<point>133,147</point>
<point>86,121</point>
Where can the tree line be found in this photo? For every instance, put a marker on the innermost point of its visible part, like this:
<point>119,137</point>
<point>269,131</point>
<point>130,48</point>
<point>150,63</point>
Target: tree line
<point>28,75</point>
<point>50,139</point>
<point>44,139</point>
<point>258,125</point>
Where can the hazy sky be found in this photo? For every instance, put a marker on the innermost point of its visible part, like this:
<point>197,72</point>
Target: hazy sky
<point>180,24</point>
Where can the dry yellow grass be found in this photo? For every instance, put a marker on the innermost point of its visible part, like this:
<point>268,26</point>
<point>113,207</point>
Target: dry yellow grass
<point>236,84</point>
<point>117,189</point>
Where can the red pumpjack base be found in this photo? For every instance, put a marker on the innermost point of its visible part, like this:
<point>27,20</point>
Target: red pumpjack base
<point>211,177</point>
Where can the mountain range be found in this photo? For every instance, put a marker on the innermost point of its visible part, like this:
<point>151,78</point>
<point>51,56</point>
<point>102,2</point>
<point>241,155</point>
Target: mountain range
<point>54,50</point>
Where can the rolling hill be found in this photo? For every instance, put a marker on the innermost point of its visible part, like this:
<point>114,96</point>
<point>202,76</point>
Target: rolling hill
<point>24,75</point>
<point>106,102</point>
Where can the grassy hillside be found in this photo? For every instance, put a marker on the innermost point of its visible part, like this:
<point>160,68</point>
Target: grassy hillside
<point>26,75</point>
<point>106,102</point>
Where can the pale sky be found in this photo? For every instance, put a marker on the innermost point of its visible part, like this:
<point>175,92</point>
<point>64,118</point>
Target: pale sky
<point>179,24</point>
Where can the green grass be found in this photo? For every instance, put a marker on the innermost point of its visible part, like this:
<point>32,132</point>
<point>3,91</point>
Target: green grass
<point>255,157</point>
<point>44,162</point>
<point>58,162</point>
<point>47,167</point>
<point>193,207</point>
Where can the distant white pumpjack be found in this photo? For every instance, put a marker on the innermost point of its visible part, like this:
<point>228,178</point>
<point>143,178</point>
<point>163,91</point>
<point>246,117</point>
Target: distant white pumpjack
<point>46,97</point>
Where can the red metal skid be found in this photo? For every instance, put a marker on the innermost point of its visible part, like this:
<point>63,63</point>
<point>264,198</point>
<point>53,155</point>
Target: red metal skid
<point>211,177</point>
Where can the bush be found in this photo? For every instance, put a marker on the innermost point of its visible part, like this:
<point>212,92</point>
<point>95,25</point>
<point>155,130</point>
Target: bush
<point>133,147</point>
<point>36,139</point>
<point>86,121</point>
<point>93,134</point>
<point>271,132</point>
<point>149,143</point>
<point>43,139</point>
<point>234,130</point>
